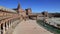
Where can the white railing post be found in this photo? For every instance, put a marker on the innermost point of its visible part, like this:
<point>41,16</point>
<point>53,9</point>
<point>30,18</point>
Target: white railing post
<point>6,26</point>
<point>3,28</point>
<point>9,23</point>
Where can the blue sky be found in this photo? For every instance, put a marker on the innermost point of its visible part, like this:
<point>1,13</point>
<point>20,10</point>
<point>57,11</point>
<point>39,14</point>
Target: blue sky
<point>37,6</point>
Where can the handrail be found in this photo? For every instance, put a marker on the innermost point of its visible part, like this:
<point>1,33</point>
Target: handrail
<point>7,20</point>
<point>6,23</point>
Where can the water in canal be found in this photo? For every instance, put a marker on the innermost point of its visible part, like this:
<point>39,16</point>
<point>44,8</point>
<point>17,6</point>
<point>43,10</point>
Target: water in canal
<point>48,27</point>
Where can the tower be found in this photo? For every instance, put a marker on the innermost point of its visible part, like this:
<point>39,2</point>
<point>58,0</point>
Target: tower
<point>28,11</point>
<point>18,8</point>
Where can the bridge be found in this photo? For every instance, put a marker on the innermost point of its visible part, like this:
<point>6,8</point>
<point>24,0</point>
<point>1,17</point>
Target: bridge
<point>10,18</point>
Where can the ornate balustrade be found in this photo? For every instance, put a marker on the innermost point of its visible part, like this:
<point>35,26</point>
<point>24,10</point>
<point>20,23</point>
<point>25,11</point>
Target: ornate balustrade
<point>7,23</point>
<point>8,20</point>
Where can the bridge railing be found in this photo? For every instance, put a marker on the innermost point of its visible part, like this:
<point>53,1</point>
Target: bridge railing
<point>8,21</point>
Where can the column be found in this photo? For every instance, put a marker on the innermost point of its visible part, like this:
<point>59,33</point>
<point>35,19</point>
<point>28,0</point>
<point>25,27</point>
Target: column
<point>6,26</point>
<point>9,23</point>
<point>3,28</point>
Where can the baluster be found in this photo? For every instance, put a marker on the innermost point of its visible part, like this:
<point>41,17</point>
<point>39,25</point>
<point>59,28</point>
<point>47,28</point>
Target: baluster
<point>9,23</point>
<point>3,28</point>
<point>6,25</point>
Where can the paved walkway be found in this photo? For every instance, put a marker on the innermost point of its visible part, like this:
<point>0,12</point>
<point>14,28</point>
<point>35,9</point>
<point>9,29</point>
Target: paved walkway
<point>30,27</point>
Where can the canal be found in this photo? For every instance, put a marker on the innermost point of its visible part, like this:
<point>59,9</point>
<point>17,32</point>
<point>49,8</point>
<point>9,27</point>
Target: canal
<point>48,27</point>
